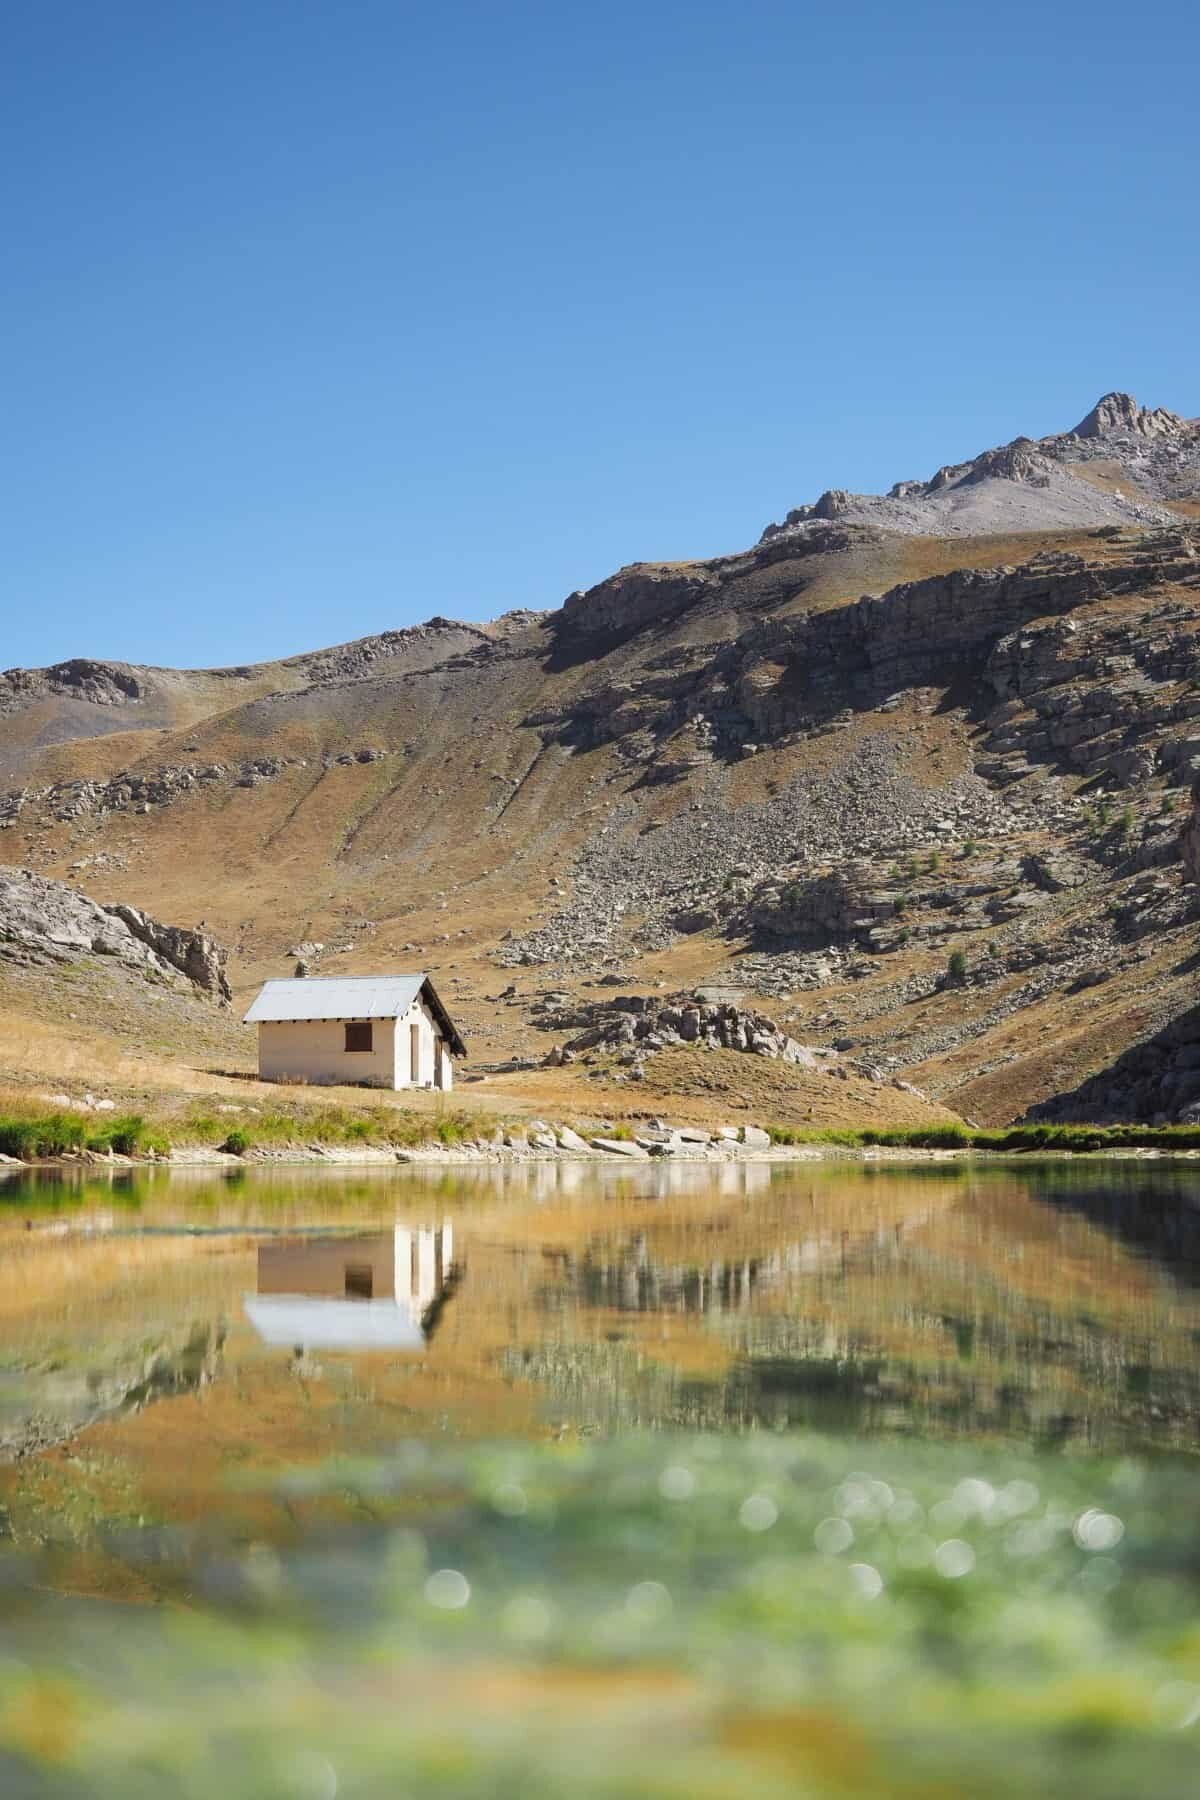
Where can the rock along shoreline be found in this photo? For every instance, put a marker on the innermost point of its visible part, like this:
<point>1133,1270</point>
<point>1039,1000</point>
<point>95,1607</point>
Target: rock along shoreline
<point>466,1156</point>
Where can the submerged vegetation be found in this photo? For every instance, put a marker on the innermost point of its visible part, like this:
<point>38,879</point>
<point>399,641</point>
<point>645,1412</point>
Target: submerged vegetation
<point>796,1615</point>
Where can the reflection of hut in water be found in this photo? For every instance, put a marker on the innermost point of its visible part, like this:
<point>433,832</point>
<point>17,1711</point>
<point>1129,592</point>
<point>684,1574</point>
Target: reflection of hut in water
<point>381,1292</point>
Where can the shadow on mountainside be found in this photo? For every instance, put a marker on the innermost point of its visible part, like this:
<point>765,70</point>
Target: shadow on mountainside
<point>1156,1081</point>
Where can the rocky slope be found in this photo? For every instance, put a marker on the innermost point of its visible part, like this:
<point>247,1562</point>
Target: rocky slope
<point>88,983</point>
<point>45,922</point>
<point>920,777</point>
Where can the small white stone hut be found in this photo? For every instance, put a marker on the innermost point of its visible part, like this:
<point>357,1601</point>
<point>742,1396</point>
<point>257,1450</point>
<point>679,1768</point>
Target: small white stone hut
<point>387,1031</point>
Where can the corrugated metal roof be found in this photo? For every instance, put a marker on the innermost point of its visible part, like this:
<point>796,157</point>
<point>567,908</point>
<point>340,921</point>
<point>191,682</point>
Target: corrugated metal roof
<point>336,997</point>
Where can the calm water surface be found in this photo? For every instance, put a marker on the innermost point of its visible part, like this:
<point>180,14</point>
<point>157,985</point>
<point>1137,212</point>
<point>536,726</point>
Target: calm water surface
<point>193,1323</point>
<point>562,1482</point>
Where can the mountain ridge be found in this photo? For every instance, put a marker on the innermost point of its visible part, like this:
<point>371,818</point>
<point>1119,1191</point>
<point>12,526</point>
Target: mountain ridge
<point>812,769</point>
<point>1116,416</point>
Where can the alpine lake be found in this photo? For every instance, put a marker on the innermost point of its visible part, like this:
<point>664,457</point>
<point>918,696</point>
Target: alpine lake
<point>811,1478</point>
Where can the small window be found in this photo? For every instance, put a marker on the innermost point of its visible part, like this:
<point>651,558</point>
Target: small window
<point>360,1281</point>
<point>358,1037</point>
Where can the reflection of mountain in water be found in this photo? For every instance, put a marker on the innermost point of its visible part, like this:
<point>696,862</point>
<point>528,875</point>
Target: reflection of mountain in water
<point>1035,1302</point>
<point>377,1292</point>
<point>69,1401</point>
<point>998,1315</point>
<point>630,1280</point>
<point>1155,1207</point>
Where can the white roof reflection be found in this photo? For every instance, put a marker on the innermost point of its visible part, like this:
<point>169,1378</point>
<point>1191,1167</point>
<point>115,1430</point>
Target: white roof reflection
<point>289,1320</point>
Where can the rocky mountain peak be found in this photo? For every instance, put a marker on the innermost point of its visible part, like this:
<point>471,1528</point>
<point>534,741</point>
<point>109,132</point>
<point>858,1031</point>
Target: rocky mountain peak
<point>1036,484</point>
<point>1121,413</point>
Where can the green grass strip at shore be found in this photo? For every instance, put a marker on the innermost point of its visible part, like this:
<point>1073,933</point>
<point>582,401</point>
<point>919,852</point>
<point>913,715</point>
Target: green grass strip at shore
<point>1002,1138</point>
<point>45,1134</point>
<point>35,1132</point>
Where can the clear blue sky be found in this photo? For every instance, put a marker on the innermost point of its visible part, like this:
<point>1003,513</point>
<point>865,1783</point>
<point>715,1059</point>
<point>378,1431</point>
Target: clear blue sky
<point>319,318</point>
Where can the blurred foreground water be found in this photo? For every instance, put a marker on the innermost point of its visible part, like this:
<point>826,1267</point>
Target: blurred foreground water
<point>649,1481</point>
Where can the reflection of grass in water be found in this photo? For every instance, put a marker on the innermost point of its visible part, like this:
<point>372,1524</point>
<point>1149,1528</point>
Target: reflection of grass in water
<point>658,1616</point>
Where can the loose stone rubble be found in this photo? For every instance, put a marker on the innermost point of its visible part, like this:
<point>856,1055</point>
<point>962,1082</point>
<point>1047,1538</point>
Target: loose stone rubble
<point>653,1024</point>
<point>140,791</point>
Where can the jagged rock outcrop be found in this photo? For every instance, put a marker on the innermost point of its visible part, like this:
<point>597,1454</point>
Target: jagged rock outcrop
<point>834,503</point>
<point>640,595</point>
<point>882,908</point>
<point>82,678</point>
<point>646,1024</point>
<point>1105,690</point>
<point>820,905</point>
<point>1019,461</point>
<point>46,922</point>
<point>783,675</point>
<point>410,647</point>
<point>193,953</point>
<point>1116,413</point>
<point>141,790</point>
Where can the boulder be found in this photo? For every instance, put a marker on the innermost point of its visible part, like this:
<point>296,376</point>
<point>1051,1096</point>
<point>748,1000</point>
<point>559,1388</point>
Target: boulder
<point>693,919</point>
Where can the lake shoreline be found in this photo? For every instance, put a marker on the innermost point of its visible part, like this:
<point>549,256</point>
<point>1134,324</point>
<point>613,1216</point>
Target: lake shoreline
<point>461,1156</point>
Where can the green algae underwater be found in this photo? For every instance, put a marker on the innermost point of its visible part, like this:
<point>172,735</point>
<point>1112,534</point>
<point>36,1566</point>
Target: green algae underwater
<point>476,1570</point>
